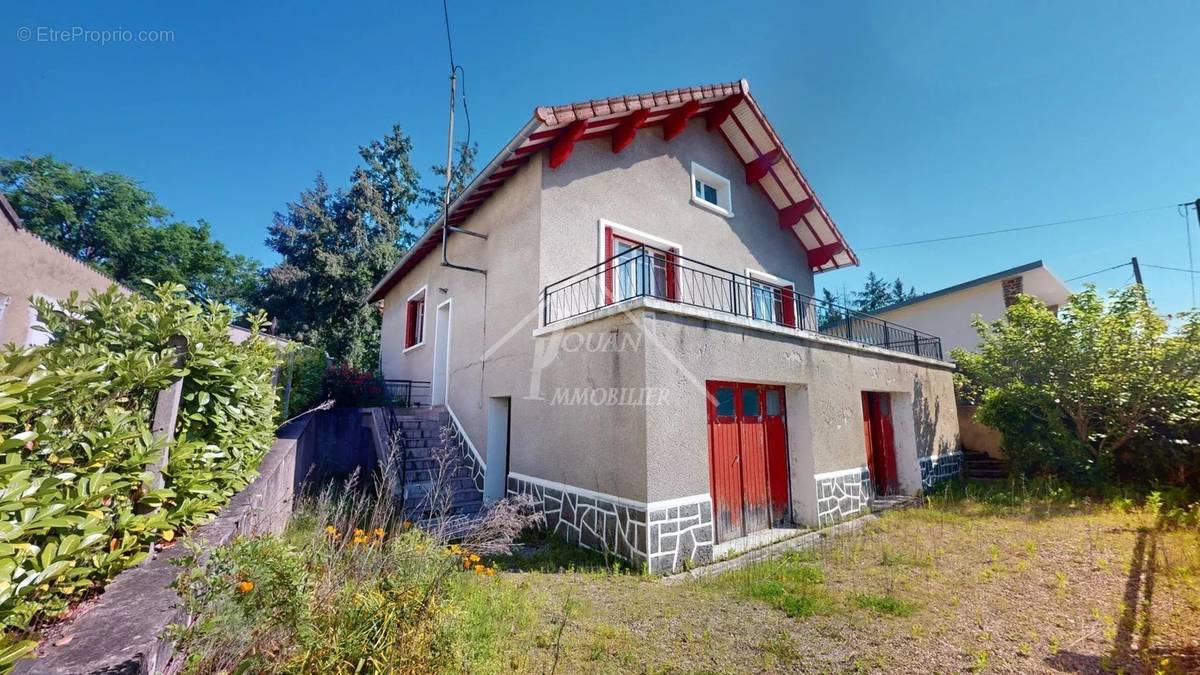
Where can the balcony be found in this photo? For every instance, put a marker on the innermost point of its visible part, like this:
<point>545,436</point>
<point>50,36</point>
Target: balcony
<point>644,271</point>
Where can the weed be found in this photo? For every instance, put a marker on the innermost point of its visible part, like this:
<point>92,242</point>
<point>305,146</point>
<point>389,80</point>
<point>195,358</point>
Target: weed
<point>780,647</point>
<point>885,604</point>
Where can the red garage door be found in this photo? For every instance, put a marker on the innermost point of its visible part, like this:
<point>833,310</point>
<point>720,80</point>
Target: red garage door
<point>747,437</point>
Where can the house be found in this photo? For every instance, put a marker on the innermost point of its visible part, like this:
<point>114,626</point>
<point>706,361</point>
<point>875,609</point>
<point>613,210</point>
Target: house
<point>638,347</point>
<point>949,313</point>
<point>32,267</point>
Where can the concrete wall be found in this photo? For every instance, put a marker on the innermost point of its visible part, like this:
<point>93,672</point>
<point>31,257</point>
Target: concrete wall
<point>949,316</point>
<point>648,187</point>
<point>31,267</point>
<point>490,354</point>
<point>978,436</point>
<point>824,386</point>
<point>121,633</point>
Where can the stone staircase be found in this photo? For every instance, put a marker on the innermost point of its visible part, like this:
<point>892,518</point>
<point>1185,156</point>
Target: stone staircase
<point>982,466</point>
<point>420,432</point>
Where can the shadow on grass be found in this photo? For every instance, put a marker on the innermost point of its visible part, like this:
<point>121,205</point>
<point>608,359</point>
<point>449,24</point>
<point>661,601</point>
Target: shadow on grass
<point>544,551</point>
<point>1135,624</point>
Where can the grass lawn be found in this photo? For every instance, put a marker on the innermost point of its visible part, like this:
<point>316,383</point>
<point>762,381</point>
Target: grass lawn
<point>962,585</point>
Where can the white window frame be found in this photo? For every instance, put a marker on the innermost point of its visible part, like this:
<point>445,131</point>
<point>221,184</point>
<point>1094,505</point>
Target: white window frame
<point>772,281</point>
<point>724,205</point>
<point>407,301</point>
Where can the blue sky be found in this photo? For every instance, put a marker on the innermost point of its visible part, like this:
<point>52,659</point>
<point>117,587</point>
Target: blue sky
<point>911,120</point>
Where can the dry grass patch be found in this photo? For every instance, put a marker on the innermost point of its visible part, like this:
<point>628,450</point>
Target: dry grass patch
<point>1040,586</point>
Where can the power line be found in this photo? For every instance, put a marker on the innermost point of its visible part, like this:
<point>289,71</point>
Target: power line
<point>1019,228</point>
<point>1173,269</point>
<point>1106,269</point>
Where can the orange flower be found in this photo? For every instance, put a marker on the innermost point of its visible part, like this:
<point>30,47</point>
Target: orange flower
<point>379,532</point>
<point>331,530</point>
<point>466,564</point>
<point>358,532</point>
<point>474,558</point>
<point>491,571</point>
<point>479,569</point>
<point>245,587</point>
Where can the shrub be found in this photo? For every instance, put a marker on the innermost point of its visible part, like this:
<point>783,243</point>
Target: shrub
<point>353,587</point>
<point>352,387</point>
<point>1101,392</point>
<point>75,438</point>
<point>308,373</point>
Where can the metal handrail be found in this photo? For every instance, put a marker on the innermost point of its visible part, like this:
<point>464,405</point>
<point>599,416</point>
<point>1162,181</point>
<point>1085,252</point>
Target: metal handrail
<point>648,271</point>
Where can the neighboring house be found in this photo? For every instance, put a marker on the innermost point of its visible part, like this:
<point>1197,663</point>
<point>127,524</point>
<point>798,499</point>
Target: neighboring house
<point>948,313</point>
<point>643,354</point>
<point>32,267</point>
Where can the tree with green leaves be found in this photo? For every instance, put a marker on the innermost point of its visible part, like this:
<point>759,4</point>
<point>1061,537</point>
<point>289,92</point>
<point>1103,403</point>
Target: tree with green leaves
<point>1100,391</point>
<point>109,221</point>
<point>875,294</point>
<point>336,244</point>
<point>900,293</point>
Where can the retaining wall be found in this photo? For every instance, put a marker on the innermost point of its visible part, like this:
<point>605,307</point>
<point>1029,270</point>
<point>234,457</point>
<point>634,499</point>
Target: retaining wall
<point>121,632</point>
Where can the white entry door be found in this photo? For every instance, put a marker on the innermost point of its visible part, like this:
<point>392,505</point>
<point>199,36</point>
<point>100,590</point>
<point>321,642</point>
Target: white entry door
<point>439,381</point>
<point>495,483</point>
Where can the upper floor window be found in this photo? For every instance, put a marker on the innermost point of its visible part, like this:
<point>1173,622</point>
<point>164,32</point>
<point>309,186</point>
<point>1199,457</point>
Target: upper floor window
<point>637,268</point>
<point>414,317</point>
<point>711,191</point>
<point>771,298</point>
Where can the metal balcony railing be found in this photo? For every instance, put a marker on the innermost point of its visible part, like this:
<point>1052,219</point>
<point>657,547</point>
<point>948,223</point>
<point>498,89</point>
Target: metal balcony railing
<point>646,271</point>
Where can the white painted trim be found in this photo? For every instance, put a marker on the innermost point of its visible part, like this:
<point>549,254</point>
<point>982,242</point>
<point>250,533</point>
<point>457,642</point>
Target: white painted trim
<point>680,309</point>
<point>769,278</point>
<point>839,473</point>
<point>723,185</point>
<point>944,455</point>
<point>463,430</point>
<point>632,233</point>
<point>622,501</point>
<point>679,501</point>
<point>424,319</point>
<point>449,334</point>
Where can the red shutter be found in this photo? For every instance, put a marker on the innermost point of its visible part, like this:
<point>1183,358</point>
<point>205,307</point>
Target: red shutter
<point>410,325</point>
<point>788,296</point>
<point>672,276</point>
<point>608,274</point>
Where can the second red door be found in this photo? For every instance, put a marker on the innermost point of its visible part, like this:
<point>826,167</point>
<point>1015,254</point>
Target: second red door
<point>747,457</point>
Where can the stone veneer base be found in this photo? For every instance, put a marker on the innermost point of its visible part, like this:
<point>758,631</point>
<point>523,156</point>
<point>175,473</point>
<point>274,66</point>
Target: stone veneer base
<point>845,494</point>
<point>665,538</point>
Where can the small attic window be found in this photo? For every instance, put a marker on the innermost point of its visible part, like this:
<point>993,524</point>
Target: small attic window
<point>711,191</point>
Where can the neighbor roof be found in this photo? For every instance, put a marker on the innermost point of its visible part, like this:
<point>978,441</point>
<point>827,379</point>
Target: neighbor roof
<point>10,214</point>
<point>725,107</point>
<point>963,286</point>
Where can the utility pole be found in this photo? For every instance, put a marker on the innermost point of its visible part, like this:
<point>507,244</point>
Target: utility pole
<point>1137,271</point>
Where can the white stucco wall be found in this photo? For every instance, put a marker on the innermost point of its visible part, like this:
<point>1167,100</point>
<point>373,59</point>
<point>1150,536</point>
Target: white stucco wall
<point>543,225</point>
<point>949,316</point>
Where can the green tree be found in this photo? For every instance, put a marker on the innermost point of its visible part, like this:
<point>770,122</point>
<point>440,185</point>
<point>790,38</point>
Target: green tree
<point>875,294</point>
<point>337,244</point>
<point>110,222</point>
<point>460,178</point>
<point>899,293</point>
<point>1099,392</point>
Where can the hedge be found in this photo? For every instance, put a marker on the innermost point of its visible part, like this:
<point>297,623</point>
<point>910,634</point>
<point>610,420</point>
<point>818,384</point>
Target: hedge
<point>75,438</point>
